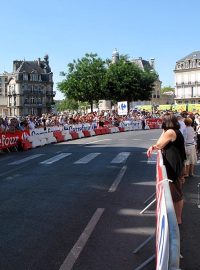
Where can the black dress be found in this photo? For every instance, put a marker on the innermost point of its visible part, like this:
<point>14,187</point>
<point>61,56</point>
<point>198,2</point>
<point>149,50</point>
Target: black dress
<point>173,158</point>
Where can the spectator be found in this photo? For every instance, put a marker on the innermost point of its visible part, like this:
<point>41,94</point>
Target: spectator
<point>171,142</point>
<point>190,149</point>
<point>181,122</point>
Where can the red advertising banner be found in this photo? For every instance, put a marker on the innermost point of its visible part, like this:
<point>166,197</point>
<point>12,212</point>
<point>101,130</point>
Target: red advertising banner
<point>10,139</point>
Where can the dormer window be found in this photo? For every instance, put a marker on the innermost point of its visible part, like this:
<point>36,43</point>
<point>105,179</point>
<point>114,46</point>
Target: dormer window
<point>25,76</point>
<point>34,77</point>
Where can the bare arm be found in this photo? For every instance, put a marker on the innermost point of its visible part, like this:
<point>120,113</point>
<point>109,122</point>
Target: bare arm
<point>165,138</point>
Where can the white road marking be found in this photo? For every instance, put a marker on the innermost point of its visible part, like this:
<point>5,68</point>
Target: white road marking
<point>25,159</point>
<point>115,184</point>
<point>55,158</point>
<point>87,158</point>
<point>81,242</point>
<point>99,141</point>
<point>121,157</point>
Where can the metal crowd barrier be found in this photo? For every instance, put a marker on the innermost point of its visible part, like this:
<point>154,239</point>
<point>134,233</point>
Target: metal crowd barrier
<point>167,232</point>
<point>174,235</point>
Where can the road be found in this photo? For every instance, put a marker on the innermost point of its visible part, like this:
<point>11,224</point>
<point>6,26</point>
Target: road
<point>76,205</point>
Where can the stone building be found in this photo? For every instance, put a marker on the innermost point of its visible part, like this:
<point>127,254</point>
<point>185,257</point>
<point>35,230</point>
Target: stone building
<point>187,79</point>
<point>29,88</point>
<point>3,94</point>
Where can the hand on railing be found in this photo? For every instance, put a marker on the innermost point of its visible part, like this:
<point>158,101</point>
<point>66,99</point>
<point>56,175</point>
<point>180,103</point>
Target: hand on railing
<point>150,150</point>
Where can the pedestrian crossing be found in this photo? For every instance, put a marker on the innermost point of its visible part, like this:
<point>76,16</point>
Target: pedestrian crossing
<point>120,158</point>
<point>55,158</point>
<point>17,162</point>
<point>87,158</point>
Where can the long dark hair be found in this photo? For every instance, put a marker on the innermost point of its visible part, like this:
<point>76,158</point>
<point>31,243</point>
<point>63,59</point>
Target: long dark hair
<point>170,121</point>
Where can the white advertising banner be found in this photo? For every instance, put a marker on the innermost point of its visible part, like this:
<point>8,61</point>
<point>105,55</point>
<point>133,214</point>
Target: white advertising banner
<point>162,237</point>
<point>122,108</point>
<point>162,227</point>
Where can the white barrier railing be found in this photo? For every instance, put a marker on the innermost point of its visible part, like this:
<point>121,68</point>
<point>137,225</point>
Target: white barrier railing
<point>167,231</point>
<point>167,236</point>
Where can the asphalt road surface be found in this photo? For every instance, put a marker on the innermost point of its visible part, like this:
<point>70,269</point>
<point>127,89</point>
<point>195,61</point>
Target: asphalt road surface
<point>76,205</point>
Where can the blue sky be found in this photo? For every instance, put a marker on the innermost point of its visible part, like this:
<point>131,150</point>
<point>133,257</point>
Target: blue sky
<point>66,30</point>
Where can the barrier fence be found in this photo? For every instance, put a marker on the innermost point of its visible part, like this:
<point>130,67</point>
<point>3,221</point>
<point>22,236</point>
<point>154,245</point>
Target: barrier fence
<point>167,231</point>
<point>28,139</point>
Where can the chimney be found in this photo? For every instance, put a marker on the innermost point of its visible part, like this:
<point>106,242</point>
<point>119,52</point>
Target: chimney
<point>152,62</point>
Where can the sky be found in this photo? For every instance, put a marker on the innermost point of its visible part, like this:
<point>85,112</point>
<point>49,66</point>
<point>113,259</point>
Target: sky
<point>166,30</point>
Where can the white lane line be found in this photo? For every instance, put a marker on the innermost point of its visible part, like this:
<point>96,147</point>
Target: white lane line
<point>87,158</point>
<point>25,159</point>
<point>99,141</point>
<point>115,184</point>
<point>56,158</point>
<point>121,157</point>
<point>81,242</point>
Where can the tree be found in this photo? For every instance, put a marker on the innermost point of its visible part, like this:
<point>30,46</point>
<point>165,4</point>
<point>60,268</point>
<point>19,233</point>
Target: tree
<point>167,89</point>
<point>85,79</point>
<point>126,81</point>
<point>67,104</point>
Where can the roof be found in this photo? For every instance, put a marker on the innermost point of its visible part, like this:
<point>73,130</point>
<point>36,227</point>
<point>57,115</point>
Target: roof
<point>143,64</point>
<point>193,55</point>
<point>30,66</point>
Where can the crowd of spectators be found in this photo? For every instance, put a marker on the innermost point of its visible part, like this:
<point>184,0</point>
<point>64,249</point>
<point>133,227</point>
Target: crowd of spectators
<point>10,124</point>
<point>106,117</point>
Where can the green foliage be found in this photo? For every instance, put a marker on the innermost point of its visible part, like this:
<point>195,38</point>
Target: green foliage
<point>90,79</point>
<point>85,79</point>
<point>167,89</point>
<point>126,81</point>
<point>67,104</point>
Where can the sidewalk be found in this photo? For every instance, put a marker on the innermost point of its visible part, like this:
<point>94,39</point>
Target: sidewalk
<point>190,229</point>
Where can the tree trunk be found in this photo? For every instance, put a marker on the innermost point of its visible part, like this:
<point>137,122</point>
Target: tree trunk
<point>91,105</point>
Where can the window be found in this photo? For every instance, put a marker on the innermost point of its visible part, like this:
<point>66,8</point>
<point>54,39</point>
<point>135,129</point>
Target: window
<point>25,77</point>
<point>32,100</point>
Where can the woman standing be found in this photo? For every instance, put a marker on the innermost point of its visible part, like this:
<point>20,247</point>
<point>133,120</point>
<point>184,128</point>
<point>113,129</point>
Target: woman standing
<point>190,148</point>
<point>171,142</point>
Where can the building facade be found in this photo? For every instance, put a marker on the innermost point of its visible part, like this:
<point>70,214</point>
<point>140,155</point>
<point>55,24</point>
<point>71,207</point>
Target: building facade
<point>187,79</point>
<point>3,94</point>
<point>29,88</point>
